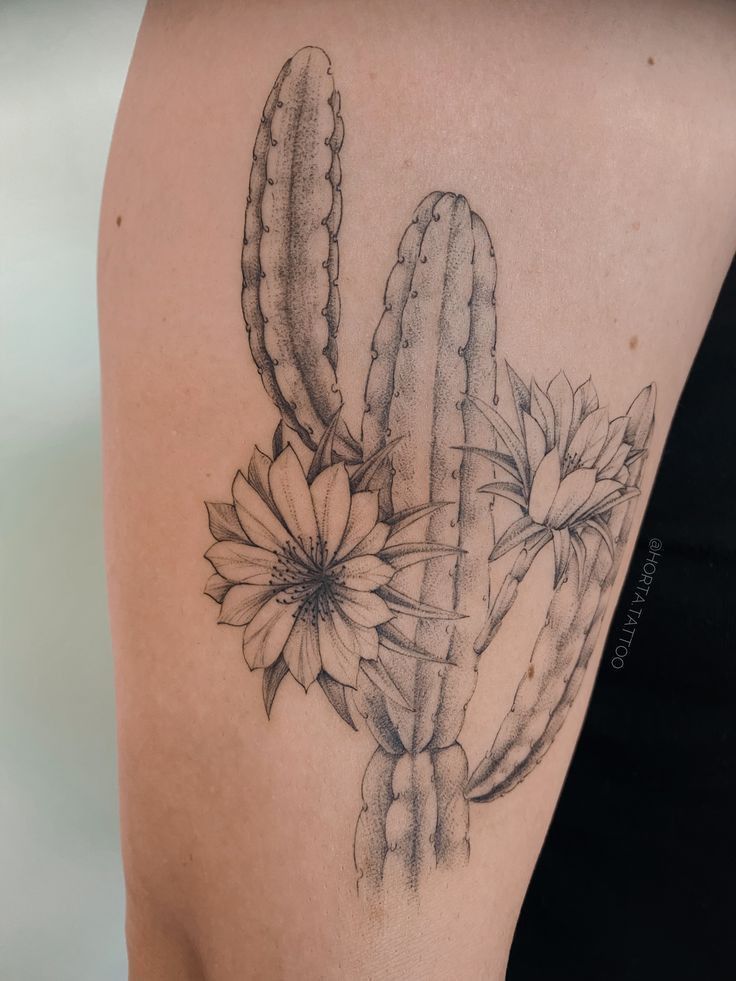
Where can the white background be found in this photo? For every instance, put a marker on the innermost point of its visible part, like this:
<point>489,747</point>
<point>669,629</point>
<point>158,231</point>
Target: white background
<point>62,69</point>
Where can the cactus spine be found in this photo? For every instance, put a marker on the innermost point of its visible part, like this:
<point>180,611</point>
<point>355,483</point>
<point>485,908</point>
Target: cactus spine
<point>290,297</point>
<point>433,346</point>
<point>565,643</point>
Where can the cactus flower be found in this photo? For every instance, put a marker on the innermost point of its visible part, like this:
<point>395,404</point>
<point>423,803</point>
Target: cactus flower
<point>568,464</point>
<point>305,569</point>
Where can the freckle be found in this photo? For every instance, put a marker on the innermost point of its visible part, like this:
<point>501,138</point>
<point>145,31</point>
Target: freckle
<point>408,163</point>
<point>650,60</point>
<point>634,342</point>
<point>119,220</point>
<point>373,76</point>
<point>636,225</point>
<point>530,672</point>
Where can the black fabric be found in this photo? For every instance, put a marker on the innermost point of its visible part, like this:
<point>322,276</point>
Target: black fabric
<point>635,881</point>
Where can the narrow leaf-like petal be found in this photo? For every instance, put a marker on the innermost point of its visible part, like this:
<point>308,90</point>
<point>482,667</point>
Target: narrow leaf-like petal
<point>561,545</point>
<point>502,488</point>
<point>514,445</point>
<point>542,411</point>
<point>395,640</point>
<point>360,479</point>
<point>337,697</point>
<point>363,608</point>
<point>560,395</point>
<point>323,454</point>
<point>258,469</point>
<point>409,553</point>
<point>516,534</point>
<point>402,519</point>
<point>331,500</point>
<point>545,485</point>
<point>401,603</point>
<point>224,524</point>
<point>364,572</point>
<point>273,675</point>
<point>536,442</point>
<point>383,682</point>
<point>502,460</point>
<point>574,491</point>
<point>361,521</point>
<point>597,523</point>
<point>520,393</point>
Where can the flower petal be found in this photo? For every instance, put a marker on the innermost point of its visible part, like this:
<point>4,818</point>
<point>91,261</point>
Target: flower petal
<point>217,587</point>
<point>516,534</point>
<point>363,608</point>
<point>561,546</point>
<point>560,395</point>
<point>301,651</point>
<point>541,409</point>
<point>259,522</point>
<point>373,541</point>
<point>504,488</point>
<point>536,442</point>
<point>545,485</point>
<point>258,469</point>
<point>612,468</point>
<point>361,520</point>
<point>242,602</point>
<point>239,562</point>
<point>340,660</point>
<point>266,634</point>
<point>587,442</point>
<point>331,496</point>
<point>584,401</point>
<point>364,573</point>
<point>612,442</point>
<point>602,490</point>
<point>224,524</point>
<point>574,492</point>
<point>290,493</point>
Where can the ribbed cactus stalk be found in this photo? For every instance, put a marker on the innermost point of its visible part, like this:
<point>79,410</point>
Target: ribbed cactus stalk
<point>434,346</point>
<point>290,298</point>
<point>567,639</point>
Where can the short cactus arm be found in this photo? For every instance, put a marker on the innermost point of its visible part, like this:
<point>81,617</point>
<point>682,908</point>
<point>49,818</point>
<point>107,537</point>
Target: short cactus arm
<point>565,644</point>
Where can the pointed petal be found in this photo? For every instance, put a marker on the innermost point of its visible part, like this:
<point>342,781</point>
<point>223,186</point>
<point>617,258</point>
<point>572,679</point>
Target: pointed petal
<point>514,445</point>
<point>578,547</point>
<point>584,401</point>
<point>403,519</point>
<point>536,442</point>
<point>258,469</point>
<point>239,562</point>
<point>273,675</point>
<point>341,660</point>
<point>516,534</point>
<point>242,603</point>
<point>502,488</point>
<point>290,493</point>
<point>519,391</point>
<point>301,651</point>
<point>545,485</point>
<point>587,442</point>
<point>323,454</point>
<point>383,682</point>
<point>401,603</point>
<point>614,465</point>
<point>612,442</point>
<point>574,492</point>
<point>278,443</point>
<point>603,528</point>
<point>259,522</point>
<point>362,518</point>
<point>335,694</point>
<point>602,490</point>
<point>541,409</point>
<point>266,634</point>
<point>502,460</point>
<point>362,478</point>
<point>331,496</point>
<point>364,572</point>
<point>641,418</point>
<point>560,395</point>
<point>217,587</point>
<point>561,545</point>
<point>395,640</point>
<point>614,500</point>
<point>363,608</point>
<point>373,541</point>
<point>409,553</point>
<point>224,524</point>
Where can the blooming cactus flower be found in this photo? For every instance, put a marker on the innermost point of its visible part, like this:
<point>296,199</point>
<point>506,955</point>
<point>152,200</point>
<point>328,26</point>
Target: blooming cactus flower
<point>568,464</point>
<point>306,569</point>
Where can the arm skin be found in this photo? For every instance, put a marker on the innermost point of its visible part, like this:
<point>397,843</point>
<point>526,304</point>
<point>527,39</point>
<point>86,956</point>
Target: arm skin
<point>597,142</point>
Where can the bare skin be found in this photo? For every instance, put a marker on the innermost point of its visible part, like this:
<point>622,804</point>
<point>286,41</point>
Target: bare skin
<point>597,143</point>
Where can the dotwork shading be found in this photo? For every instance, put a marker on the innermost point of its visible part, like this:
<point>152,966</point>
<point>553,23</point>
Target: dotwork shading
<point>368,564</point>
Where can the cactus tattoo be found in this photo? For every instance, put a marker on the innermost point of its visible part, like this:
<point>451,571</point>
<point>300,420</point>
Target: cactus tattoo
<point>368,565</point>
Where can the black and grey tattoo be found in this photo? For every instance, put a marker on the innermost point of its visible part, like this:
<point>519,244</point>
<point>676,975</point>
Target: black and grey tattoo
<point>369,565</point>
